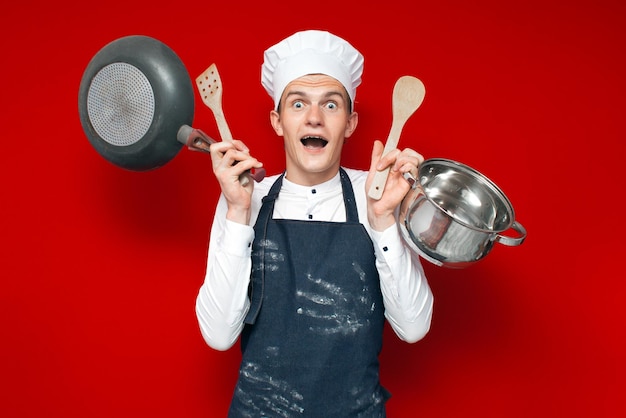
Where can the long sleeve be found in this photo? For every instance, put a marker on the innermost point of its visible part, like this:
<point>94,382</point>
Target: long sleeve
<point>222,301</point>
<point>406,294</point>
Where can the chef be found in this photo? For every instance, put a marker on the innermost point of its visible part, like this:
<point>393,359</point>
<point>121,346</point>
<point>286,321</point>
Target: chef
<point>304,267</point>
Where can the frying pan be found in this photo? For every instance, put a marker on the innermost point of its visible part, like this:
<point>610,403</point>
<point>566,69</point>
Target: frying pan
<point>136,104</point>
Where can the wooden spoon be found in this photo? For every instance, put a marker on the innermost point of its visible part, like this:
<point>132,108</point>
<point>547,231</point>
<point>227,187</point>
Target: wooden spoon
<point>408,94</point>
<point>209,85</point>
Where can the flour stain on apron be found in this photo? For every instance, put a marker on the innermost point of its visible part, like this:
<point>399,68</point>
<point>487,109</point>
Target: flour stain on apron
<point>335,310</point>
<point>364,298</point>
<point>375,398</point>
<point>273,257</point>
<point>276,396</point>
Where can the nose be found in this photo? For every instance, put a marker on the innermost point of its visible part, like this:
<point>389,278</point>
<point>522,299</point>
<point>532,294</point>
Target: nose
<point>314,116</point>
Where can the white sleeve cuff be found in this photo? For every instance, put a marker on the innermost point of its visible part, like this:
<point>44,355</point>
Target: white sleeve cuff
<point>237,239</point>
<point>388,244</point>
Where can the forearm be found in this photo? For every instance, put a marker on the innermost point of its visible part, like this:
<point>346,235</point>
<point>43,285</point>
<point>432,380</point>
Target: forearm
<point>222,301</point>
<point>406,294</point>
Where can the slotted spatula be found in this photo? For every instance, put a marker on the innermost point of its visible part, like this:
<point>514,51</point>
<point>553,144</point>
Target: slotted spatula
<point>408,94</point>
<point>210,87</point>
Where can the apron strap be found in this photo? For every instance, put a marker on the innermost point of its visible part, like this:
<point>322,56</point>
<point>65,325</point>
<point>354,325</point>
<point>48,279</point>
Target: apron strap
<point>257,286</point>
<point>352,215</point>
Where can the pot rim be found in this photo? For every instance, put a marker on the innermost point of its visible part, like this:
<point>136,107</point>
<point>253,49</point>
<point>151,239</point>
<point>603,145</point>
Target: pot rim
<point>484,180</point>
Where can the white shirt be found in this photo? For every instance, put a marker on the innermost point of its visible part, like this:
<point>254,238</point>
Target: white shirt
<point>223,303</point>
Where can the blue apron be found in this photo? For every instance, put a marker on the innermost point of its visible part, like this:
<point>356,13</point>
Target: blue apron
<point>314,330</point>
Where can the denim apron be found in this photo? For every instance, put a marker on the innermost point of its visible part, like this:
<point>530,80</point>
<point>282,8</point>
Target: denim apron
<point>314,330</point>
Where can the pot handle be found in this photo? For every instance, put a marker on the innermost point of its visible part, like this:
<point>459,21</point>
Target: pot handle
<point>513,241</point>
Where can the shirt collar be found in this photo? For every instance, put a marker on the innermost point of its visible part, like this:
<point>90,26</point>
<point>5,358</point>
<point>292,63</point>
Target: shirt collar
<point>298,189</point>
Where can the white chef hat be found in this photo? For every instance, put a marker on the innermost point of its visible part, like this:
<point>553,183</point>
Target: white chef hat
<point>311,52</point>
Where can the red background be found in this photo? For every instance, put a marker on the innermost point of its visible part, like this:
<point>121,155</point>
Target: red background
<point>100,266</point>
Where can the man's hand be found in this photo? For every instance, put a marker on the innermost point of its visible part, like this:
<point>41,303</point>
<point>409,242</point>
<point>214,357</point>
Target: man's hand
<point>230,160</point>
<point>381,213</point>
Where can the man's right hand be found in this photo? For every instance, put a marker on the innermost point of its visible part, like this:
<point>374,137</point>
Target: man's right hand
<point>231,160</point>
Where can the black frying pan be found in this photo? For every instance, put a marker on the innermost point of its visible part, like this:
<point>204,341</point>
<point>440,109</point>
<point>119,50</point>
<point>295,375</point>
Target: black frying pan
<point>136,104</point>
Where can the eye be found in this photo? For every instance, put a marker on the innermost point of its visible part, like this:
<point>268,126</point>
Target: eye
<point>331,105</point>
<point>298,104</point>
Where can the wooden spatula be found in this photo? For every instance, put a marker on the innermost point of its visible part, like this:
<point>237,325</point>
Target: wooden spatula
<point>408,94</point>
<point>210,87</point>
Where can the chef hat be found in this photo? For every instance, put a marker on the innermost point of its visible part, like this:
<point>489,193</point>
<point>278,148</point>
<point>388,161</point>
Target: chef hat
<point>311,52</point>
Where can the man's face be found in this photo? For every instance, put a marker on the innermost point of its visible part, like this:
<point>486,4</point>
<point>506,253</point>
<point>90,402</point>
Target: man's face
<point>314,121</point>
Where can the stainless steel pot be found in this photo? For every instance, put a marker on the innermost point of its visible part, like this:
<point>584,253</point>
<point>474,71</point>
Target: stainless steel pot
<point>454,215</point>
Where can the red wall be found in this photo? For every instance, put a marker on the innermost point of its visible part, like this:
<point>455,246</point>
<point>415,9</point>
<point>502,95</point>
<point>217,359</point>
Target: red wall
<point>100,266</point>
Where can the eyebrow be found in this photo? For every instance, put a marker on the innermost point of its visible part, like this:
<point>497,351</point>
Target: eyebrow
<point>326,95</point>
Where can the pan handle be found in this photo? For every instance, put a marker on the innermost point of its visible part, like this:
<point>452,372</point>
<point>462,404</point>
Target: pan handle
<point>197,140</point>
<point>513,241</point>
<point>194,139</point>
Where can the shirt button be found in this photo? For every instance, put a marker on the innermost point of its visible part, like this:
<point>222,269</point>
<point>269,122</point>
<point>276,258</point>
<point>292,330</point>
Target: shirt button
<point>310,216</point>
<point>313,191</point>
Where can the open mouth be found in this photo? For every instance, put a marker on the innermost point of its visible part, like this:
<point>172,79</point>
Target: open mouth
<point>313,142</point>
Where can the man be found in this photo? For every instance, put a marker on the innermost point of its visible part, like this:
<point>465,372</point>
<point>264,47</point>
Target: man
<point>309,286</point>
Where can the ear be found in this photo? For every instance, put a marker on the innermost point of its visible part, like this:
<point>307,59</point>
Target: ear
<point>353,121</point>
<point>275,121</point>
